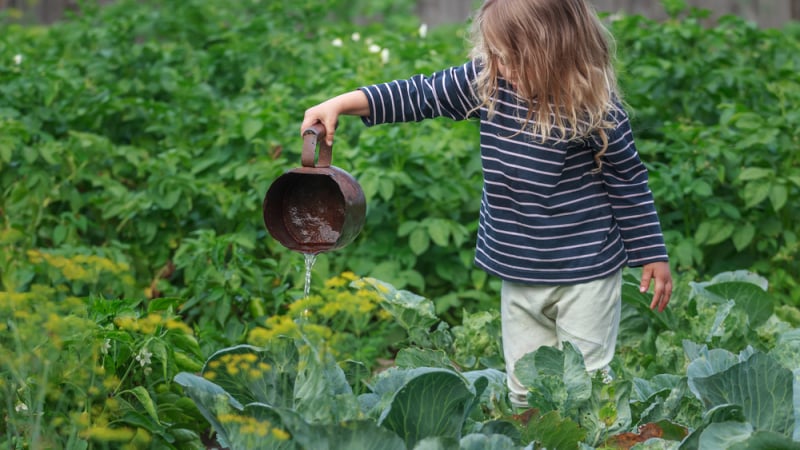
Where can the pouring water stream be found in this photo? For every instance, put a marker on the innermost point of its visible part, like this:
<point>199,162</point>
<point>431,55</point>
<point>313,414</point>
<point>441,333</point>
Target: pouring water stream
<point>310,259</point>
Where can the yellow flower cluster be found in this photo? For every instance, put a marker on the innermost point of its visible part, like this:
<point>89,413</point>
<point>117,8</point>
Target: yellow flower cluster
<point>275,326</point>
<point>341,281</point>
<point>246,364</point>
<point>347,304</point>
<point>174,324</point>
<point>254,427</point>
<point>79,267</point>
<point>151,324</point>
<point>146,325</point>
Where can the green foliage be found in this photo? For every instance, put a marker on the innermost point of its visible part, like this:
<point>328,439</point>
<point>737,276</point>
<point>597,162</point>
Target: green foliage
<point>151,132</point>
<point>712,110</point>
<point>426,401</point>
<point>137,141</point>
<point>93,373</point>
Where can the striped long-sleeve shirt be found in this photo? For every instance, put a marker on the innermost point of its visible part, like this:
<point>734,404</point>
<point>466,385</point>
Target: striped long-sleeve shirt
<point>546,216</point>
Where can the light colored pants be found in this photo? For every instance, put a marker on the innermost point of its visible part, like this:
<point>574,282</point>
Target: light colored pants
<point>585,314</point>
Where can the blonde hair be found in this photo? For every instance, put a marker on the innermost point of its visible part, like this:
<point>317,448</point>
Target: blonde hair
<point>557,55</point>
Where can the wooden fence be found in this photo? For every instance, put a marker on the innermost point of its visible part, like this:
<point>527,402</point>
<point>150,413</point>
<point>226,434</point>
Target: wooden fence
<point>768,13</point>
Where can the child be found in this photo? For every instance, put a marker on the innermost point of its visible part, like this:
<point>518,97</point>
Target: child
<point>565,201</point>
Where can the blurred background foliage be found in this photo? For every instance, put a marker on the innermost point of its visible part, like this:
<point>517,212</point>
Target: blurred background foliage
<point>146,134</point>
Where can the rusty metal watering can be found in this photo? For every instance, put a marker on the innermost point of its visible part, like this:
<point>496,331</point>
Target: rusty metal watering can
<point>317,207</point>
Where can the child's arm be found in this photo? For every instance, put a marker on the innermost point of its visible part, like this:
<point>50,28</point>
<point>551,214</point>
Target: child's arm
<point>626,181</point>
<point>328,112</point>
<point>446,93</point>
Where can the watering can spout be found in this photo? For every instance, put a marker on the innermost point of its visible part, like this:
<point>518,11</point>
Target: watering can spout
<point>316,207</point>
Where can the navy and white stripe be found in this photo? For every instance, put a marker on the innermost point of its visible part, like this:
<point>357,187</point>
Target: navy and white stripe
<point>546,217</point>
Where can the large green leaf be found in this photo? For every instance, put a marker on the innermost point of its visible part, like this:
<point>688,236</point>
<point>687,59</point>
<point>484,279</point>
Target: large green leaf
<point>487,442</point>
<point>742,436</point>
<point>556,379</point>
<point>551,430</point>
<point>717,414</point>
<point>411,311</point>
<point>322,392</point>
<point>746,289</point>
<point>432,403</point>
<point>211,400</point>
<point>252,374</point>
<point>761,386</point>
<point>724,434</point>
<point>705,362</point>
<point>662,397</point>
<point>757,303</point>
<point>766,440</point>
<point>437,443</point>
<point>359,434</point>
<point>495,391</point>
<point>257,427</point>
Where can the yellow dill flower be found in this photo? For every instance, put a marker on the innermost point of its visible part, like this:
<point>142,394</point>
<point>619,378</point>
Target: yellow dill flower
<point>106,434</point>
<point>382,289</point>
<point>173,324</point>
<point>259,337</point>
<point>75,272</point>
<point>110,382</point>
<point>150,323</point>
<point>229,418</point>
<point>335,282</point>
<point>297,307</point>
<point>35,256</point>
<point>331,309</point>
<point>127,323</point>
<point>349,276</point>
<point>282,325</point>
<point>83,419</point>
<point>320,331</point>
<point>280,435</point>
<point>210,375</point>
<point>112,404</point>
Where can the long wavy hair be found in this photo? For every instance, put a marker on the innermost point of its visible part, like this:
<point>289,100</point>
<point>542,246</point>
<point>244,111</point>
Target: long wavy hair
<point>558,57</point>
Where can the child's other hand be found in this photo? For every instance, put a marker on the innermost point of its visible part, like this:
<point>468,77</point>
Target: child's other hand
<point>663,280</point>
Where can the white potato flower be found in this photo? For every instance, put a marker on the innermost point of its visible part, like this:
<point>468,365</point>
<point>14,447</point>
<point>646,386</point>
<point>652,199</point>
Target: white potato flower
<point>144,357</point>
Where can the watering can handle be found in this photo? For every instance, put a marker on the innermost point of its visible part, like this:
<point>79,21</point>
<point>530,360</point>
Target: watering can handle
<point>311,137</point>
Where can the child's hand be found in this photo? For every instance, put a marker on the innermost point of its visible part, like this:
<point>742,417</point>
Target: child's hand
<point>327,113</point>
<point>663,278</point>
